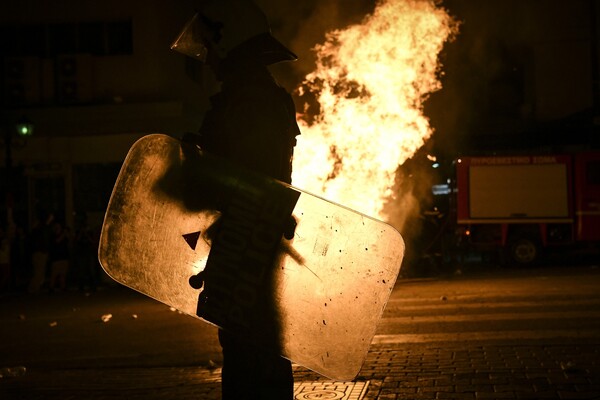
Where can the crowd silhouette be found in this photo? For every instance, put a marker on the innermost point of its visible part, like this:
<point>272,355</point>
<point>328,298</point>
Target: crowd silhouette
<point>50,257</point>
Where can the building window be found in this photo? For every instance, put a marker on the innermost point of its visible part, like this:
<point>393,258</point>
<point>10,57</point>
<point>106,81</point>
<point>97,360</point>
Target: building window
<point>49,40</point>
<point>91,38</point>
<point>119,38</point>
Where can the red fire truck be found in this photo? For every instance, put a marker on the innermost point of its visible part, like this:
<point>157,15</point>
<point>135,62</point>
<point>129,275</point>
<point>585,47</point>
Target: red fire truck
<point>525,205</point>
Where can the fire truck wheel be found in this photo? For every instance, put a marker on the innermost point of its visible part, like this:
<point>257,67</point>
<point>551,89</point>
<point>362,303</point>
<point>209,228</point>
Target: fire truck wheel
<point>524,251</point>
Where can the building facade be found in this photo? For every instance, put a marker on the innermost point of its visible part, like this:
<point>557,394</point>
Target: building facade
<point>88,78</point>
<point>91,77</point>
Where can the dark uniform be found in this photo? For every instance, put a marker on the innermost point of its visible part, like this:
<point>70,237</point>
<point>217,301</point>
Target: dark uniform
<point>252,122</point>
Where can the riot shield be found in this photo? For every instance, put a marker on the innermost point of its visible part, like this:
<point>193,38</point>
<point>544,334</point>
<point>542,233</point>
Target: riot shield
<point>257,257</point>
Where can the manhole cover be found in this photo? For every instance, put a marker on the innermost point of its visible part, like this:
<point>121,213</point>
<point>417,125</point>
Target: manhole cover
<point>323,390</point>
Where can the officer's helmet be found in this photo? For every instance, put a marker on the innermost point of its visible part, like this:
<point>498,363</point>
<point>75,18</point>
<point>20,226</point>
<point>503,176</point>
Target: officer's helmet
<point>231,28</point>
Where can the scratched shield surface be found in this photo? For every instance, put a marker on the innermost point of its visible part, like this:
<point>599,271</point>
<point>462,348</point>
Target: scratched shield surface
<point>331,280</point>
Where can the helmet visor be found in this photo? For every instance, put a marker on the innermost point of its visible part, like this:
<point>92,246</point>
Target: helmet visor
<point>190,41</point>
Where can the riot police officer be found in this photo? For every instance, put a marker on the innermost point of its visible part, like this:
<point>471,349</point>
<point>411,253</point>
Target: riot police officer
<point>252,123</point>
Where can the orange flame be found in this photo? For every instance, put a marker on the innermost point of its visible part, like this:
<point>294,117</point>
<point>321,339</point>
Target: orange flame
<point>370,82</point>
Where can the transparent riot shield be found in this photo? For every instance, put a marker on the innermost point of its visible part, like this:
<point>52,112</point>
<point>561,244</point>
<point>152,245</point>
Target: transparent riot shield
<point>279,266</point>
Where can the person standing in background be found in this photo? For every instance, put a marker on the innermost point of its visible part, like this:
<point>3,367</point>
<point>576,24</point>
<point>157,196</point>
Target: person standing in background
<point>59,257</point>
<point>5,257</point>
<point>84,255</point>
<point>40,238</point>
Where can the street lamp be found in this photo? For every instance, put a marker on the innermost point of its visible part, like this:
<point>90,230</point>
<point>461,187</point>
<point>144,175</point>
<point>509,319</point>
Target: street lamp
<point>21,130</point>
<point>24,127</point>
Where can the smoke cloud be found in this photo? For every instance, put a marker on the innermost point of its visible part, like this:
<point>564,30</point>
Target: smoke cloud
<point>301,25</point>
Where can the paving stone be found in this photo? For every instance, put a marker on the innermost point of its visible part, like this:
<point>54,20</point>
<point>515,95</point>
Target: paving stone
<point>394,371</point>
<point>495,395</point>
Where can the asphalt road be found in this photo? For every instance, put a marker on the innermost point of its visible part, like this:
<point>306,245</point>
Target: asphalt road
<point>114,327</point>
<point>116,343</point>
<point>495,305</point>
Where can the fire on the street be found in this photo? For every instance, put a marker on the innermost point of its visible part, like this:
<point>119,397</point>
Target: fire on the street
<point>370,82</point>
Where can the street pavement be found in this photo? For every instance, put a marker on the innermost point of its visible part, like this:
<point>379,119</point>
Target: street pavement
<point>502,334</point>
